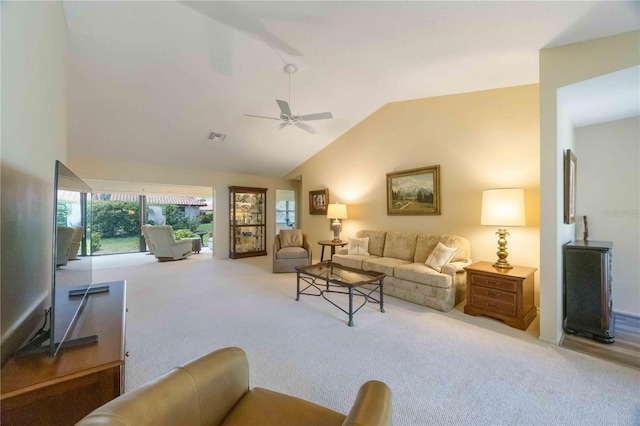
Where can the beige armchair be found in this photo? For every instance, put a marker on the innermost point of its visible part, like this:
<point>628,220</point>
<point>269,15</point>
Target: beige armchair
<point>214,390</point>
<point>147,240</point>
<point>63,244</point>
<point>76,240</point>
<point>290,249</point>
<point>165,246</point>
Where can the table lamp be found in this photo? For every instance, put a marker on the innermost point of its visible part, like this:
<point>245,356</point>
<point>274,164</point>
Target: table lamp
<point>336,212</point>
<point>502,208</point>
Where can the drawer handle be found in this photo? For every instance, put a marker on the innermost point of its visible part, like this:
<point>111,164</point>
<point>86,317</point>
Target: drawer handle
<point>491,293</point>
<point>493,306</point>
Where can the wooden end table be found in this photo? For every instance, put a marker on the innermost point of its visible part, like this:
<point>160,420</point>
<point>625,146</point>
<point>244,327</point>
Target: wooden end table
<point>333,245</point>
<point>505,294</point>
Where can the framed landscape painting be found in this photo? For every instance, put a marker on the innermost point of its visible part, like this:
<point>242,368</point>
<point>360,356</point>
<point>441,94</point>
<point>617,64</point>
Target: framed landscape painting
<point>414,192</point>
<point>318,201</point>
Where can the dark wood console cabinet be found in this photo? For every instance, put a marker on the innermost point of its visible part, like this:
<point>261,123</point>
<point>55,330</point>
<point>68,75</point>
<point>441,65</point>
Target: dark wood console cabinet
<point>505,294</point>
<point>587,289</point>
<point>38,390</point>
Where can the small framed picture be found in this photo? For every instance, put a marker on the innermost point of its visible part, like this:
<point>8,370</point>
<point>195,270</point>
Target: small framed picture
<point>414,192</point>
<point>318,201</point>
<point>570,186</point>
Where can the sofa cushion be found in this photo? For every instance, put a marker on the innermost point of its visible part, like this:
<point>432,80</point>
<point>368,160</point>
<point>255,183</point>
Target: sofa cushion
<point>426,243</point>
<point>440,256</point>
<point>263,406</point>
<point>383,264</point>
<point>358,245</point>
<point>292,253</point>
<point>351,260</point>
<point>376,241</point>
<point>400,245</point>
<point>290,238</point>
<point>423,274</point>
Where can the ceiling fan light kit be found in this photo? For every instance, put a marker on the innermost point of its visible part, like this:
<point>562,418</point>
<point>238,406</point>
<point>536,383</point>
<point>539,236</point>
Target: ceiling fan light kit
<point>287,117</point>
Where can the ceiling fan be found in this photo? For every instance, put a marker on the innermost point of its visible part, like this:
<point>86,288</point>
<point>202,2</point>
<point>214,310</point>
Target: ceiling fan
<point>287,117</point>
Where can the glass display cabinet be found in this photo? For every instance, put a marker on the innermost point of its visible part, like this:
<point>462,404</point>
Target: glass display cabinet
<point>247,222</point>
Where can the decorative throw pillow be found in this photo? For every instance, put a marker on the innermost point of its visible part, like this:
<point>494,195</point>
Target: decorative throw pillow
<point>440,256</point>
<point>290,238</point>
<point>358,245</point>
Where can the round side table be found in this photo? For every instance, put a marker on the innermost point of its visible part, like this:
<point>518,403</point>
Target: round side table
<point>333,245</point>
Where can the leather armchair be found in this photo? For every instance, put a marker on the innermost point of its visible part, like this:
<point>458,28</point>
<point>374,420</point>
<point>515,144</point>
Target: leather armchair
<point>165,246</point>
<point>63,244</point>
<point>214,390</point>
<point>291,248</point>
<point>76,240</point>
<point>147,240</point>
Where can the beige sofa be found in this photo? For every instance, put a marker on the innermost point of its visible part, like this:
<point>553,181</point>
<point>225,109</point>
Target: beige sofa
<point>402,256</point>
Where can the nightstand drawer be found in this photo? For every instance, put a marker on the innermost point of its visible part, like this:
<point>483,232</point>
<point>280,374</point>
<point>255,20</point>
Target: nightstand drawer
<point>493,305</point>
<point>493,281</point>
<point>493,294</point>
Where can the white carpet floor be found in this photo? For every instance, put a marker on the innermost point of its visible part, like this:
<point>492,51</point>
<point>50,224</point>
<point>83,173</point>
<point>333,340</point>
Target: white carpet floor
<point>443,368</point>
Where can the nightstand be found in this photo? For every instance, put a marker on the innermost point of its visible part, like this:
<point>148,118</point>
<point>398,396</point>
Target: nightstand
<point>505,294</point>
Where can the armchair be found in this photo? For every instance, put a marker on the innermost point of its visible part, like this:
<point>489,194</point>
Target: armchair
<point>76,240</point>
<point>165,246</point>
<point>214,390</point>
<point>147,240</point>
<point>63,243</point>
<point>290,249</point>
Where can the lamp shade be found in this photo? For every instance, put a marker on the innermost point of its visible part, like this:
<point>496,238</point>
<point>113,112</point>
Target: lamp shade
<point>337,211</point>
<point>503,207</point>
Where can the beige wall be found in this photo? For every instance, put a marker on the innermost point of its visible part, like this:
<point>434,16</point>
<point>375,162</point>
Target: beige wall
<point>140,178</point>
<point>34,135</point>
<point>481,140</point>
<point>559,67</point>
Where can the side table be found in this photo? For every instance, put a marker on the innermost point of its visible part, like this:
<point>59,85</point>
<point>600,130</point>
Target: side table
<point>505,294</point>
<point>333,245</point>
<point>196,245</point>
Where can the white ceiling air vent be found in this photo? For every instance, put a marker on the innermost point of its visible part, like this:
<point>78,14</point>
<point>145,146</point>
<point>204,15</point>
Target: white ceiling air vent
<point>217,137</point>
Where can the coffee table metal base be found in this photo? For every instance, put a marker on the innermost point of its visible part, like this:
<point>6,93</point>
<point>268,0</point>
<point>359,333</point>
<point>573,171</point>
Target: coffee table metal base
<point>322,286</point>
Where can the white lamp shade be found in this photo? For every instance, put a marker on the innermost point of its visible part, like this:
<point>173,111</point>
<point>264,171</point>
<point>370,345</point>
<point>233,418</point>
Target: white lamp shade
<point>337,211</point>
<point>503,207</point>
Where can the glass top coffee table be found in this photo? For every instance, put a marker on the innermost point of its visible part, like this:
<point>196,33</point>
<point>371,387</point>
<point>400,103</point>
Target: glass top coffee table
<point>329,277</point>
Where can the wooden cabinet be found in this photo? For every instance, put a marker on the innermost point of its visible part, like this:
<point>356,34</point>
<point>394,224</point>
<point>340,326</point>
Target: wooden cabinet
<point>38,390</point>
<point>247,221</point>
<point>505,294</point>
<point>587,289</point>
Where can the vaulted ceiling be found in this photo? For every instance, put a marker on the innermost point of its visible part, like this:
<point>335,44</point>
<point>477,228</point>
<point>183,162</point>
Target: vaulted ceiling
<point>149,80</point>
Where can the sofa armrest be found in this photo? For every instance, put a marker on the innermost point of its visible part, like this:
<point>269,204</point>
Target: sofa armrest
<point>454,267</point>
<point>372,406</point>
<point>343,250</point>
<point>307,246</point>
<point>202,391</point>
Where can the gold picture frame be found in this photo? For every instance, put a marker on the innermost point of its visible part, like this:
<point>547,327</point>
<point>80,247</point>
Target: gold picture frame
<point>318,201</point>
<point>414,192</point>
<point>570,186</point>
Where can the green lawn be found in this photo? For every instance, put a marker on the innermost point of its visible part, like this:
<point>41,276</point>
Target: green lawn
<point>118,245</point>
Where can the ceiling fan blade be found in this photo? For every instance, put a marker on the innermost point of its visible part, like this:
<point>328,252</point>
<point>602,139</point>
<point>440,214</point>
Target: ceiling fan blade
<point>284,107</point>
<point>306,127</point>
<point>316,116</point>
<point>262,116</point>
<point>279,127</point>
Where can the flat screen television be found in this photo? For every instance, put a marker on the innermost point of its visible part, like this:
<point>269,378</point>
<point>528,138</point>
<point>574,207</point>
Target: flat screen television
<point>71,275</point>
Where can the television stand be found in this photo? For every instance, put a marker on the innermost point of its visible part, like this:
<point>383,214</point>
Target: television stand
<point>39,390</point>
